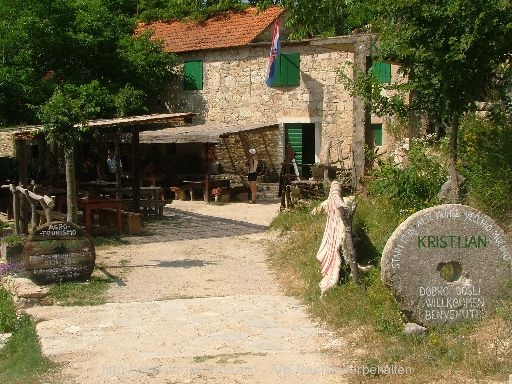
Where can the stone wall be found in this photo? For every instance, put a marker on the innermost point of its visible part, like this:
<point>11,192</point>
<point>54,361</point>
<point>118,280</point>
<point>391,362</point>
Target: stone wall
<point>235,92</point>
<point>394,135</point>
<point>7,146</point>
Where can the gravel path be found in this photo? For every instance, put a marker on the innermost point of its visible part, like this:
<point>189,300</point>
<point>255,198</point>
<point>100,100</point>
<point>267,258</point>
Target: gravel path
<point>192,301</point>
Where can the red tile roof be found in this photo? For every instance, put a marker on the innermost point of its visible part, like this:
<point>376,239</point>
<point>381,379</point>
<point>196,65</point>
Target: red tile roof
<point>231,29</point>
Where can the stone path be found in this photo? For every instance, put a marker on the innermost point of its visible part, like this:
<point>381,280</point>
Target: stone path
<point>193,301</point>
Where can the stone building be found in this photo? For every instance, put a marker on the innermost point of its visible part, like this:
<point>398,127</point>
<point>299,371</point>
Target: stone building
<point>223,69</point>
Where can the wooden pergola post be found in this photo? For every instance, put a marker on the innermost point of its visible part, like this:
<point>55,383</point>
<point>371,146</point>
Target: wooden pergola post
<point>136,169</point>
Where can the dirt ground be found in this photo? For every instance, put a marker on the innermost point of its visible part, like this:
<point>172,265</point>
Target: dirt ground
<point>193,301</point>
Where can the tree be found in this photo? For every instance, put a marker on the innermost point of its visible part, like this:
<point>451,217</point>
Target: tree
<point>448,50</point>
<point>47,43</point>
<point>152,10</point>
<point>30,46</point>
<point>307,18</point>
<point>65,118</point>
<point>64,62</point>
<point>323,17</point>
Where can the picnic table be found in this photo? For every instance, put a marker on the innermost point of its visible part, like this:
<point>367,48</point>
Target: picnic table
<point>91,205</point>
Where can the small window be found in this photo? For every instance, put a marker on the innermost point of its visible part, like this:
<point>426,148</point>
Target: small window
<point>288,70</point>
<point>193,75</point>
<point>377,134</point>
<point>382,71</point>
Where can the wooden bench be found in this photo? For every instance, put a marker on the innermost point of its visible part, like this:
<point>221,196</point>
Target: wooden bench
<point>152,206</point>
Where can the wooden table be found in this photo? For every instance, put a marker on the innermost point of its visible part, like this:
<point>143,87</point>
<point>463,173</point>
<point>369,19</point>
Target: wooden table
<point>98,187</point>
<point>88,205</point>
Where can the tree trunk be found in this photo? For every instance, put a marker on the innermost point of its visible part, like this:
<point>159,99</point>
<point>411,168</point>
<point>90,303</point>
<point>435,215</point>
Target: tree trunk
<point>452,161</point>
<point>22,154</point>
<point>337,7</point>
<point>71,186</point>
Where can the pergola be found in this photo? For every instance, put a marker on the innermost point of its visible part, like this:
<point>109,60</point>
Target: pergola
<point>132,126</point>
<point>206,134</point>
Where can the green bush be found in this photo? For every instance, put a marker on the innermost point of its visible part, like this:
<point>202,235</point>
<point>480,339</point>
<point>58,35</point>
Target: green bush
<point>486,161</point>
<point>412,186</point>
<point>7,312</point>
<point>374,222</point>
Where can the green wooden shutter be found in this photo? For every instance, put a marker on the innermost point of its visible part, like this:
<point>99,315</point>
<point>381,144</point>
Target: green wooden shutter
<point>290,69</point>
<point>287,70</point>
<point>193,75</point>
<point>377,134</point>
<point>382,71</point>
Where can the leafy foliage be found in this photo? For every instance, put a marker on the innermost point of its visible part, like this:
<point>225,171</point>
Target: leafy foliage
<point>486,162</point>
<point>49,45</point>
<point>7,312</point>
<point>307,18</point>
<point>413,186</point>
<point>324,17</point>
<point>152,10</point>
<point>60,114</point>
<point>449,50</point>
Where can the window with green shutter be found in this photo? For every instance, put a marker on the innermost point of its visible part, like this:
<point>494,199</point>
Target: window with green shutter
<point>377,134</point>
<point>382,71</point>
<point>193,75</point>
<point>287,70</point>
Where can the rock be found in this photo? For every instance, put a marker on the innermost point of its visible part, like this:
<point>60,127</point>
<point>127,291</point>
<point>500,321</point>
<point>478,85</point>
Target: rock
<point>4,338</point>
<point>445,193</point>
<point>446,264</point>
<point>414,329</point>
<point>25,288</point>
<point>25,292</point>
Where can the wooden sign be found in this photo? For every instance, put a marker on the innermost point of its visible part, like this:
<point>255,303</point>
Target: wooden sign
<point>57,252</point>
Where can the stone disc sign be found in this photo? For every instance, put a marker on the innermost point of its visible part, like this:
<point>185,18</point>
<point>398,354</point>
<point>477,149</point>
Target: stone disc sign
<point>446,264</point>
<point>57,252</point>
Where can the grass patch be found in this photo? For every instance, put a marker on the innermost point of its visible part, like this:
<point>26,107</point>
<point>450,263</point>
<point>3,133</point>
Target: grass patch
<point>21,359</point>
<point>72,293</point>
<point>368,314</point>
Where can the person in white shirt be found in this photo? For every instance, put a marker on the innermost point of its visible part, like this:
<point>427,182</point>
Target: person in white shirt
<point>252,175</point>
<point>111,165</point>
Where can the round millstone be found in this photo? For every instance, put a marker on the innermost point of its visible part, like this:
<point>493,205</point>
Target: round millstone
<point>446,264</point>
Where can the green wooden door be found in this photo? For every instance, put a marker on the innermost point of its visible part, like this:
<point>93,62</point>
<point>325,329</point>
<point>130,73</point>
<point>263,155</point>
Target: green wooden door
<point>301,137</point>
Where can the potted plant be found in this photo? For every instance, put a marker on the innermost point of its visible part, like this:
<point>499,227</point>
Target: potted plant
<point>11,247</point>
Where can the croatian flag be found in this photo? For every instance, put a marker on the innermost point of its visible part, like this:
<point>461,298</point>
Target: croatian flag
<point>275,50</point>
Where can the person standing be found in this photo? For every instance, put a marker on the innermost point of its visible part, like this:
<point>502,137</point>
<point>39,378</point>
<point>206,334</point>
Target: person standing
<point>112,166</point>
<point>252,175</point>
